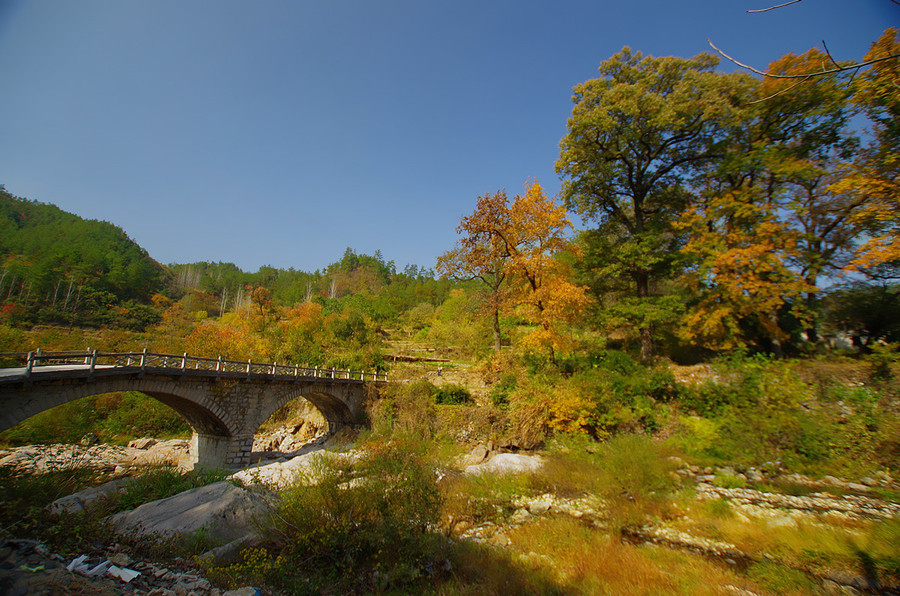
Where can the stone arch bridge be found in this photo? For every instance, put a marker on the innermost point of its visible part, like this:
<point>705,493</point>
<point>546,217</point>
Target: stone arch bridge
<point>224,401</point>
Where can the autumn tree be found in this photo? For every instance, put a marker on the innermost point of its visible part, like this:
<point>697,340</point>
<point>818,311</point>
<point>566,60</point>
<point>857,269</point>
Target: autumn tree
<point>535,241</point>
<point>481,254</point>
<point>767,224</point>
<point>874,176</point>
<point>636,137</point>
<point>513,249</point>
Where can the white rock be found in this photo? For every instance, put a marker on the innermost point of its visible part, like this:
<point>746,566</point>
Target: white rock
<point>82,499</point>
<point>508,463</point>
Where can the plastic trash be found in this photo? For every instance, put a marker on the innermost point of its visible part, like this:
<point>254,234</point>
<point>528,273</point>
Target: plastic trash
<point>78,565</point>
<point>122,573</point>
<point>99,569</point>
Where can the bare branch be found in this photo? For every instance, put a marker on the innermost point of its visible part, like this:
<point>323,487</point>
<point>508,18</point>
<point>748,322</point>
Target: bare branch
<point>779,6</point>
<point>828,53</point>
<point>820,73</point>
<point>777,93</point>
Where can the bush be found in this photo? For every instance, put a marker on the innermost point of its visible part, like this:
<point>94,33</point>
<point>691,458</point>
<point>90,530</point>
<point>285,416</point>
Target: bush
<point>451,395</point>
<point>363,529</point>
<point>406,411</point>
<point>112,417</point>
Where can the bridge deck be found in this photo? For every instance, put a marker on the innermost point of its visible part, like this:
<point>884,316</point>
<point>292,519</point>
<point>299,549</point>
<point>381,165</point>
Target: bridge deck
<point>49,365</point>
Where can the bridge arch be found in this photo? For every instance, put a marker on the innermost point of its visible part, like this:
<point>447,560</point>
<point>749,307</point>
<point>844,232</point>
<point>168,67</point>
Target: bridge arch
<point>335,410</point>
<point>202,414</point>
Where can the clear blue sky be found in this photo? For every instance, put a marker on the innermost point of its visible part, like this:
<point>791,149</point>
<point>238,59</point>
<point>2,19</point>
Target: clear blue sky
<point>280,132</point>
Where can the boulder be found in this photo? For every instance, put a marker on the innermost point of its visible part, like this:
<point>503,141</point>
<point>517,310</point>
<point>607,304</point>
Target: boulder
<point>143,443</point>
<point>224,511</point>
<point>478,454</point>
<point>80,501</point>
<point>507,463</point>
<point>281,474</point>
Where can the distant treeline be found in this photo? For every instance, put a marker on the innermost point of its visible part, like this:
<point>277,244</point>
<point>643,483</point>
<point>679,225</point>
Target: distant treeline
<point>60,269</point>
<point>366,282</point>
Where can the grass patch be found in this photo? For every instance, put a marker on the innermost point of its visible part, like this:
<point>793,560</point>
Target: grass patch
<point>583,560</point>
<point>780,579</point>
<point>859,547</point>
<point>159,483</point>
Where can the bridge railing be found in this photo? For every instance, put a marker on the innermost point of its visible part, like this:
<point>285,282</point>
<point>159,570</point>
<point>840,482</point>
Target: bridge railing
<point>144,359</point>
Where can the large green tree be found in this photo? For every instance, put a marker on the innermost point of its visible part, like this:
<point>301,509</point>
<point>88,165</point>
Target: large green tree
<point>636,137</point>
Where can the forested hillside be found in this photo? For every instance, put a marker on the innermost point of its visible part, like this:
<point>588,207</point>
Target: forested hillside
<point>59,268</point>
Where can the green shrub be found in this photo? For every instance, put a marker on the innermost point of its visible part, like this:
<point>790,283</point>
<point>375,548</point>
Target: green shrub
<point>363,529</point>
<point>112,417</point>
<point>881,359</point>
<point>726,480</point>
<point>406,411</point>
<point>451,395</point>
<point>501,390</point>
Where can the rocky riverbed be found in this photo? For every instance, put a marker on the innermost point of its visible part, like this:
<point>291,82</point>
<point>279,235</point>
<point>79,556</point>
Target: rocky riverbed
<point>27,567</point>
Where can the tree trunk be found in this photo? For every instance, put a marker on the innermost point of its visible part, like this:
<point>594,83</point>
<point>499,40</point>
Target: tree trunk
<point>642,283</point>
<point>812,334</point>
<point>495,324</point>
<point>647,350</point>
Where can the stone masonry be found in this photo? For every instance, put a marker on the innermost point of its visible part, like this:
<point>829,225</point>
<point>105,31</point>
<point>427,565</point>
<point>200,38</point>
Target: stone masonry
<point>223,409</point>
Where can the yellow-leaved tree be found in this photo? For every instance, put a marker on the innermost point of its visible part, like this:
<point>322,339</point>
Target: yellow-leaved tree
<point>767,223</point>
<point>536,242</point>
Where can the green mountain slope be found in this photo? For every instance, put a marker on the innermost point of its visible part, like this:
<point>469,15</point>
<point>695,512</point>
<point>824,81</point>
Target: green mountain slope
<point>56,267</point>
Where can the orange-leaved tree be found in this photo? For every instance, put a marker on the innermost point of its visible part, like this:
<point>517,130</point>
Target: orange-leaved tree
<point>514,249</point>
<point>481,254</point>
<point>766,226</point>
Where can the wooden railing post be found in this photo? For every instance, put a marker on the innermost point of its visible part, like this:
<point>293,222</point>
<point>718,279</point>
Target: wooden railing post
<point>93,361</point>
<point>29,364</point>
<point>219,364</point>
<point>87,358</point>
<point>249,362</point>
